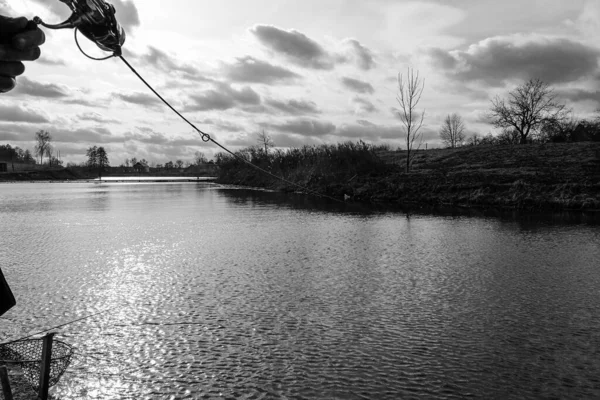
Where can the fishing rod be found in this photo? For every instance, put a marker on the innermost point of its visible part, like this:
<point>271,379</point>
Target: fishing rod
<point>96,20</point>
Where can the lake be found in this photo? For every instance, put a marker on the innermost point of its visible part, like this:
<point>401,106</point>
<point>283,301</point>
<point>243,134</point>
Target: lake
<point>219,292</point>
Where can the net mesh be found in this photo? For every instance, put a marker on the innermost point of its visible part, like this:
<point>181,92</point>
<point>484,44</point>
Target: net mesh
<point>27,354</point>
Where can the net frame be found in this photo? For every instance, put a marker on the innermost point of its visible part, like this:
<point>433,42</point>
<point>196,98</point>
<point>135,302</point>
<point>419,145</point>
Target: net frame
<point>27,354</point>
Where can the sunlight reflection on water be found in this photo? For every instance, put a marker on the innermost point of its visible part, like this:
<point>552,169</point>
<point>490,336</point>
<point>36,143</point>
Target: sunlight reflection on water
<point>231,293</point>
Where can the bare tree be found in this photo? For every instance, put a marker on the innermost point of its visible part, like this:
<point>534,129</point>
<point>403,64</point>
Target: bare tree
<point>200,158</point>
<point>265,141</point>
<point>453,131</point>
<point>409,95</point>
<point>528,108</point>
<point>43,140</point>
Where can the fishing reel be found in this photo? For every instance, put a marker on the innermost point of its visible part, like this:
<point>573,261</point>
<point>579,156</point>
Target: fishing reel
<point>95,19</point>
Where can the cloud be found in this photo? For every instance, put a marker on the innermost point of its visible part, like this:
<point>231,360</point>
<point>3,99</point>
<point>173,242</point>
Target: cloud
<point>242,140</point>
<point>305,127</point>
<point>50,60</point>
<point>95,135</point>
<point>444,59</point>
<point>61,10</point>
<point>126,13</point>
<point>293,140</point>
<point>294,107</point>
<point>5,8</point>
<point>33,88</point>
<point>138,98</point>
<point>223,97</point>
<point>580,95</point>
<point>249,69</point>
<point>150,136</point>
<point>363,106</point>
<point>96,117</point>
<point>16,113</point>
<point>367,130</point>
<point>18,131</point>
<point>10,137</point>
<point>294,46</point>
<point>87,102</point>
<point>361,54</point>
<point>500,59</point>
<point>364,129</point>
<point>222,125</point>
<point>357,86</point>
<point>164,62</point>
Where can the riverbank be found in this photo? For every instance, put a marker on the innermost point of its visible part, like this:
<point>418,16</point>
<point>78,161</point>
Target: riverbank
<point>64,174</point>
<point>553,176</point>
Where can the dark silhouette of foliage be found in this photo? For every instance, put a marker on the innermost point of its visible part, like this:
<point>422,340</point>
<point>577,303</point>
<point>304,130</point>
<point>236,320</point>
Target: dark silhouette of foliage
<point>43,143</point>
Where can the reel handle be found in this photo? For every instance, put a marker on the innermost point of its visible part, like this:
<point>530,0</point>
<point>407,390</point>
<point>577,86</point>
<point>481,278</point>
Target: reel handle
<point>95,19</point>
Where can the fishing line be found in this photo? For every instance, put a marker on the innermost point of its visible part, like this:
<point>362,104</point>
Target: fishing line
<point>207,138</point>
<point>96,20</point>
<point>61,325</point>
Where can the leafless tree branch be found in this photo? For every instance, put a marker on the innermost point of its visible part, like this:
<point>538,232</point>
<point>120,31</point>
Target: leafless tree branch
<point>410,90</point>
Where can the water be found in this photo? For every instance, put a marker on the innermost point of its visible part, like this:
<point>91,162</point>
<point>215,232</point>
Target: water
<point>224,293</point>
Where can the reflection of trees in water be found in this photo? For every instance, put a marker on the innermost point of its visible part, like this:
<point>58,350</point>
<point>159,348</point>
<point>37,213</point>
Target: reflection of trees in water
<point>98,200</point>
<point>257,197</point>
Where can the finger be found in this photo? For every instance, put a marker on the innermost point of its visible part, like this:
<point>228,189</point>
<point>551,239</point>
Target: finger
<point>12,25</point>
<point>7,83</point>
<point>7,53</point>
<point>29,39</point>
<point>11,68</point>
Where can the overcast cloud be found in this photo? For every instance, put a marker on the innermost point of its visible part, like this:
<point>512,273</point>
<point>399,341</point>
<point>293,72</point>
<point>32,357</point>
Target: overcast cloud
<point>516,58</point>
<point>357,85</point>
<point>295,46</point>
<point>30,87</point>
<point>17,113</point>
<point>293,106</point>
<point>251,70</point>
<point>223,97</point>
<point>305,127</point>
<point>362,55</point>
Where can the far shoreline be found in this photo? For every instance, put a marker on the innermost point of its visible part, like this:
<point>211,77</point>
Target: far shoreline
<point>534,177</point>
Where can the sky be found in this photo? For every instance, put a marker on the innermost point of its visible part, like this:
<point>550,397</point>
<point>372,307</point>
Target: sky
<point>306,72</point>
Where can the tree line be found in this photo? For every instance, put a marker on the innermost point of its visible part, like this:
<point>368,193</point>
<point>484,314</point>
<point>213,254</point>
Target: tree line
<point>43,148</point>
<point>531,113</point>
<point>16,154</point>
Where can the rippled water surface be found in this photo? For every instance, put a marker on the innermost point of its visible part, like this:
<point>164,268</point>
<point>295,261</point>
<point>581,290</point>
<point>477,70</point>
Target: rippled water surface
<point>218,292</point>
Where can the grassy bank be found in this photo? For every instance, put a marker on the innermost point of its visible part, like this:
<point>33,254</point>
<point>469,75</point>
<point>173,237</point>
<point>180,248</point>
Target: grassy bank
<point>537,176</point>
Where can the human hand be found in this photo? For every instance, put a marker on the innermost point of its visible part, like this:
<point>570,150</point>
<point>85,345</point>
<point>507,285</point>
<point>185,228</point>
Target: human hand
<point>19,41</point>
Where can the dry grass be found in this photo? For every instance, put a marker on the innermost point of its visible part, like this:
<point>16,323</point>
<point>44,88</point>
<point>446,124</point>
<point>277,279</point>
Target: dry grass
<point>520,176</point>
<point>554,175</point>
